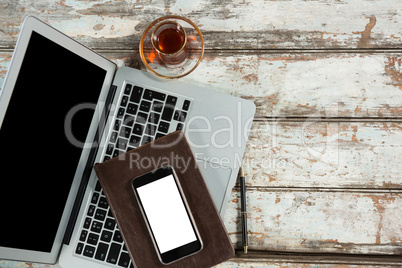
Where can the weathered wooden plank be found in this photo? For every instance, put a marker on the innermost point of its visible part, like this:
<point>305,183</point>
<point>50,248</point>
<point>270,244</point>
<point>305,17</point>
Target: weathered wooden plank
<point>297,84</point>
<point>245,24</point>
<point>16,264</point>
<point>311,221</point>
<point>314,153</point>
<point>283,259</point>
<point>312,85</point>
<point>308,153</point>
<point>262,259</point>
<point>313,259</point>
<point>281,264</point>
<point>319,221</point>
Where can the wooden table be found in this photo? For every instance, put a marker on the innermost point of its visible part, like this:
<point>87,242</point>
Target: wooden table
<point>323,162</point>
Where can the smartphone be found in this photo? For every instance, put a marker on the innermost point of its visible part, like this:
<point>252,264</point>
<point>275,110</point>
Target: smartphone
<point>167,215</point>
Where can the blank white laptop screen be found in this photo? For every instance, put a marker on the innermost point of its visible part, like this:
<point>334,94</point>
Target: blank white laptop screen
<point>38,161</point>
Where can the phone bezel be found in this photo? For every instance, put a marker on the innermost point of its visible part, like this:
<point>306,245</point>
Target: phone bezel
<point>179,252</point>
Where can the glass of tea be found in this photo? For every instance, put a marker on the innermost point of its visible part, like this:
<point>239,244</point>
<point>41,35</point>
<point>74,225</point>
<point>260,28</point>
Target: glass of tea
<point>171,46</point>
<point>169,39</point>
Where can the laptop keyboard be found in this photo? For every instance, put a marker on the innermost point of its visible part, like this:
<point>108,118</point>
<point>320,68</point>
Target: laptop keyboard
<point>143,116</point>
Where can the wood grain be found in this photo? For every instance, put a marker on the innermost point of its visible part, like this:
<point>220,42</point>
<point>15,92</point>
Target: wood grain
<point>310,84</point>
<point>240,24</point>
<point>323,160</point>
<point>274,259</point>
<point>315,153</point>
<point>319,221</point>
<point>330,85</point>
<point>15,264</point>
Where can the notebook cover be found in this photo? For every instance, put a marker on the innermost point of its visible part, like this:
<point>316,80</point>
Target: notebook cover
<point>116,175</point>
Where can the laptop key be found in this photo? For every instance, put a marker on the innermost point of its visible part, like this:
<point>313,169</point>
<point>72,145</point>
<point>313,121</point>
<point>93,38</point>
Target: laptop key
<point>180,126</point>
<point>122,144</point>
<point>95,197</point>
<point>138,129</point>
<point>96,227</point>
<point>135,140</point>
<point>91,210</point>
<point>113,137</point>
<point>176,115</point>
<point>103,203</point>
<point>150,94</point>
<point>117,236</point>
<point>154,118</point>
<point>117,152</point>
<point>101,252</point>
<point>124,260</point>
<point>171,100</point>
<point>124,101</point>
<point>136,94</point>
<point>125,132</point>
<point>110,223</point>
<point>113,253</point>
<point>127,89</point>
<point>83,235</point>
<point>109,149</point>
<point>169,108</point>
<point>183,116</point>
<point>116,125</point>
<point>87,223</point>
<point>110,213</point>
<point>146,139</point>
<point>145,106</point>
<point>128,120</point>
<point>120,113</point>
<point>150,129</point>
<point>163,127</point>
<point>167,112</point>
<point>159,135</point>
<point>180,116</point>
<point>142,118</point>
<point>93,239</point>
<point>100,214</point>
<point>132,108</point>
<point>79,248</point>
<point>157,106</point>
<point>98,186</point>
<point>186,105</point>
<point>89,251</point>
<point>106,236</point>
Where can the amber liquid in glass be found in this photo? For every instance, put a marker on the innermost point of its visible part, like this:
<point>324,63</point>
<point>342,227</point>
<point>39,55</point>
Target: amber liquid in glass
<point>170,40</point>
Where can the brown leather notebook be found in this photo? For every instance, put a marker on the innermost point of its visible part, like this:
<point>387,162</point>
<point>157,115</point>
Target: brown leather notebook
<point>116,176</point>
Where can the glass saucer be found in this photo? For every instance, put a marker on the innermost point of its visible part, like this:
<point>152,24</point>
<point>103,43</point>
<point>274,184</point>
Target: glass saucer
<point>155,62</point>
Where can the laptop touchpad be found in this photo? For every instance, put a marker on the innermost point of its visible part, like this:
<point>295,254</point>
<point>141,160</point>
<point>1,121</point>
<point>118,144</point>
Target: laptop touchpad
<point>217,178</point>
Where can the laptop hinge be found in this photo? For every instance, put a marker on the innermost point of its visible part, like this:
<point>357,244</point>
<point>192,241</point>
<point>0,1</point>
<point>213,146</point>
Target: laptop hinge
<point>89,165</point>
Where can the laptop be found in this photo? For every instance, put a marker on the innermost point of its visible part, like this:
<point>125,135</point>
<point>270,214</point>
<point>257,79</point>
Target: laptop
<point>64,108</point>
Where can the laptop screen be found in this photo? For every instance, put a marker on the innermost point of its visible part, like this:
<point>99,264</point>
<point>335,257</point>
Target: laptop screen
<point>39,155</point>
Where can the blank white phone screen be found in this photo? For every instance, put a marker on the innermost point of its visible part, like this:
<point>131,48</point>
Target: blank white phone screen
<point>166,213</point>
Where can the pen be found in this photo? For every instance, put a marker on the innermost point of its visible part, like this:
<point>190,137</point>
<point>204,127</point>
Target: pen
<point>243,210</point>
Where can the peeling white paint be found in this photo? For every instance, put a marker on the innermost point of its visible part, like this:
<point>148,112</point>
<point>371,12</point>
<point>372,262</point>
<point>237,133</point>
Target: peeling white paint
<point>318,221</point>
<point>97,27</point>
<point>298,84</point>
<point>347,154</point>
